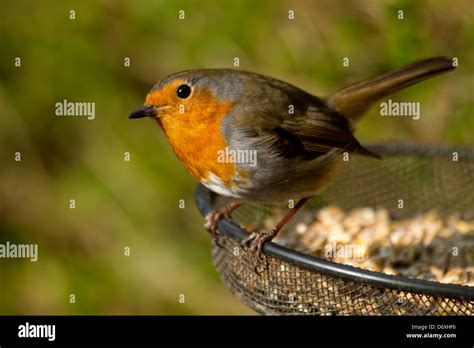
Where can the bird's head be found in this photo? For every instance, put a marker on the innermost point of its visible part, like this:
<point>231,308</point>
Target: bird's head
<point>191,97</point>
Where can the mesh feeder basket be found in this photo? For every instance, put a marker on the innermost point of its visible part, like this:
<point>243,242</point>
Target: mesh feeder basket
<point>412,182</point>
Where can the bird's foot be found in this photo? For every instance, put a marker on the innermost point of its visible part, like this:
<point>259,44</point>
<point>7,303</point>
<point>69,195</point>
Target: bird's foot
<point>254,244</point>
<point>212,220</point>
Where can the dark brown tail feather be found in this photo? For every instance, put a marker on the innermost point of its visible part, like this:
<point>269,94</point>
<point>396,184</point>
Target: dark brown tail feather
<point>354,100</point>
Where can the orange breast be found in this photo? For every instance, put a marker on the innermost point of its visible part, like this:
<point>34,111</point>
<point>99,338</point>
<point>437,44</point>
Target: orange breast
<point>196,137</point>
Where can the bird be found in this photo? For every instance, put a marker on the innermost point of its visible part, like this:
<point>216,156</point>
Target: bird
<point>294,139</point>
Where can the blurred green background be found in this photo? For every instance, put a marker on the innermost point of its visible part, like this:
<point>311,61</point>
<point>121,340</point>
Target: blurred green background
<point>134,203</point>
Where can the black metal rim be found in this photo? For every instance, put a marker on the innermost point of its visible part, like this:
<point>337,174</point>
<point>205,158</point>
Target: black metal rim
<point>205,203</point>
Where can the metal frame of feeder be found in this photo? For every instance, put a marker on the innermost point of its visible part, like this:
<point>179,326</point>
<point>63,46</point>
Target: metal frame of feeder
<point>205,201</point>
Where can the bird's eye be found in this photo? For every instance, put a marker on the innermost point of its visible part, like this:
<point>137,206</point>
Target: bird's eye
<point>183,91</point>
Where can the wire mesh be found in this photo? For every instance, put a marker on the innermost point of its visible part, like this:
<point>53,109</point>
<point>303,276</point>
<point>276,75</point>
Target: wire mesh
<point>426,178</point>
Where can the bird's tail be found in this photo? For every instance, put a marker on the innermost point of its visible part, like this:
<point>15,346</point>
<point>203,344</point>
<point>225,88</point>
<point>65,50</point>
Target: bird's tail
<point>354,100</point>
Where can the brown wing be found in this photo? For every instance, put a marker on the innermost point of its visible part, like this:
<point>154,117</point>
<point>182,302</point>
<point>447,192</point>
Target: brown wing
<point>311,130</point>
<point>320,130</point>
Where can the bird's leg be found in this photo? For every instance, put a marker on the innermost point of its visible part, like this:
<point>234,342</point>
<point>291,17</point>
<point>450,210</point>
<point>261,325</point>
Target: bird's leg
<point>212,219</point>
<point>257,239</point>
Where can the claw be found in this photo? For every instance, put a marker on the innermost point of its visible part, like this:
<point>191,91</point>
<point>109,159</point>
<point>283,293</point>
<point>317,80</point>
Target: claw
<point>245,244</point>
<point>210,224</point>
<point>255,242</point>
<point>212,220</point>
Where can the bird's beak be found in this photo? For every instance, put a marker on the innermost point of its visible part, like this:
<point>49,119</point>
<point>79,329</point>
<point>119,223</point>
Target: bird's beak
<point>145,111</point>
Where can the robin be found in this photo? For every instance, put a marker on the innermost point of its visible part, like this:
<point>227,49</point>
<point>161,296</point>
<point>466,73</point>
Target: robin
<point>259,139</point>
